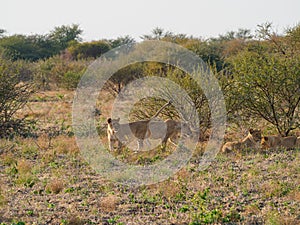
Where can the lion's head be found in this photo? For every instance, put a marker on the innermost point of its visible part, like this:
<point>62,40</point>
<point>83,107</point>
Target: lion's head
<point>256,134</point>
<point>114,124</point>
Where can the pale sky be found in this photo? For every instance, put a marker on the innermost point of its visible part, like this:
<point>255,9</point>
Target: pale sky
<point>114,18</point>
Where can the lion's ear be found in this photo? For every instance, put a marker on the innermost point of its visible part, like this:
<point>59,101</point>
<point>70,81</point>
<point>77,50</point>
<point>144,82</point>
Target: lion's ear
<point>266,138</point>
<point>109,120</point>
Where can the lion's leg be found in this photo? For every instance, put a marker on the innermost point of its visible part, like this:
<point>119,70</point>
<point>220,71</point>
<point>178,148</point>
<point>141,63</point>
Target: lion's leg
<point>140,144</point>
<point>172,142</point>
<point>110,144</point>
<point>146,138</point>
<point>119,144</point>
<point>147,142</point>
<point>164,142</point>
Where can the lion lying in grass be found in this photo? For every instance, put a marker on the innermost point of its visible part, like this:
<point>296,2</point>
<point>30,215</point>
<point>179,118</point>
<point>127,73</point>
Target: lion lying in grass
<point>271,141</point>
<point>276,141</point>
<point>289,142</point>
<point>251,141</point>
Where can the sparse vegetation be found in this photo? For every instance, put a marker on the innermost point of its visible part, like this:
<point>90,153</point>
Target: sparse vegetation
<point>45,180</point>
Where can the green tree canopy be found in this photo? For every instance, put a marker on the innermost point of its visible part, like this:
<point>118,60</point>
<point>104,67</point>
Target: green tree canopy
<point>86,50</point>
<point>267,86</point>
<point>2,32</point>
<point>123,40</point>
<point>65,34</point>
<point>30,48</point>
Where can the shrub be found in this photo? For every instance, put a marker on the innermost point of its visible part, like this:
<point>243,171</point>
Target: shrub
<point>58,72</point>
<point>13,96</point>
<point>267,86</point>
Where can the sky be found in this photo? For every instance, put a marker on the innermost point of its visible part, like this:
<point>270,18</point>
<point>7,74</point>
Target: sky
<point>110,19</point>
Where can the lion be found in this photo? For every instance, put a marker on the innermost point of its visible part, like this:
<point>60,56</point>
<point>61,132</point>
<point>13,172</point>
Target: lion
<point>289,142</point>
<point>170,131</point>
<point>121,133</point>
<point>272,141</point>
<point>144,130</point>
<point>276,141</point>
<point>298,142</point>
<point>251,141</point>
<point>117,132</point>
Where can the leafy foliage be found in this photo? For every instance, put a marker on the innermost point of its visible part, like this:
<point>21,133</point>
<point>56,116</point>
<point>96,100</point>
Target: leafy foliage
<point>88,49</point>
<point>29,48</point>
<point>268,86</point>
<point>57,72</point>
<point>35,47</point>
<point>64,35</point>
<point>13,96</point>
<point>123,40</point>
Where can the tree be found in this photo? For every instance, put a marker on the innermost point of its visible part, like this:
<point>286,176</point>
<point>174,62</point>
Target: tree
<point>267,86</point>
<point>32,48</point>
<point>57,72</point>
<point>244,34</point>
<point>156,34</point>
<point>160,34</point>
<point>211,52</point>
<point>17,47</point>
<point>35,47</point>
<point>293,39</point>
<point>66,34</point>
<point>147,107</point>
<point>2,32</point>
<point>122,77</point>
<point>86,50</point>
<point>121,41</point>
<point>13,96</point>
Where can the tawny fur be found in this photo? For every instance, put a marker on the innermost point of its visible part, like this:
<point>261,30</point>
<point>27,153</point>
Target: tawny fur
<point>298,142</point>
<point>276,141</point>
<point>121,133</point>
<point>117,132</point>
<point>251,141</point>
<point>289,142</point>
<point>164,130</point>
<point>272,141</point>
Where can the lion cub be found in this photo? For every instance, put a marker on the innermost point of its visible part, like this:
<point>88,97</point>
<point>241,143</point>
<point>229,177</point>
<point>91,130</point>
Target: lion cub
<point>251,141</point>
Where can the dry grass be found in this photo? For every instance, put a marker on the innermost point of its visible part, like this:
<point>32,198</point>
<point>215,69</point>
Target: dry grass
<point>274,217</point>
<point>24,166</point>
<point>8,158</point>
<point>3,199</point>
<point>170,189</point>
<point>66,145</point>
<point>294,195</point>
<point>55,186</point>
<point>53,181</point>
<point>252,209</point>
<point>109,203</point>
